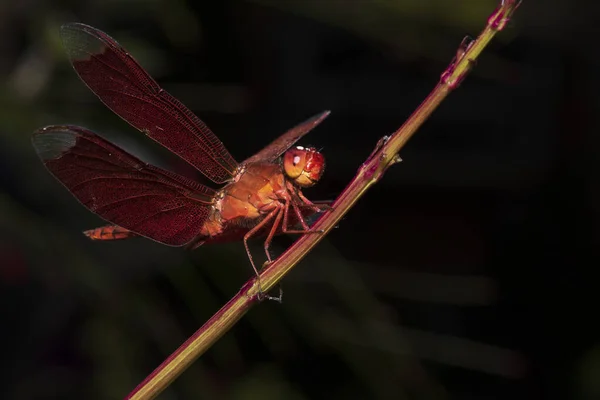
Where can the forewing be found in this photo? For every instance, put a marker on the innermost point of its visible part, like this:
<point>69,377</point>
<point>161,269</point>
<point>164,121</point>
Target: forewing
<point>129,91</point>
<point>287,140</point>
<point>122,189</point>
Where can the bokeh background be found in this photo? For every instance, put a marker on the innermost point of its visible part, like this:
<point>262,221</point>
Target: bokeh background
<point>468,272</point>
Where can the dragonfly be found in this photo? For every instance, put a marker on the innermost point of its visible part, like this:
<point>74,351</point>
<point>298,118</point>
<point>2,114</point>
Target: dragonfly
<point>259,196</point>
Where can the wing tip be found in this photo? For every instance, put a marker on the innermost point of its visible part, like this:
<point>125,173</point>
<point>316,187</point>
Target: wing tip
<point>75,26</point>
<point>321,116</point>
<point>51,142</point>
<point>66,30</point>
<point>69,25</point>
<point>81,41</point>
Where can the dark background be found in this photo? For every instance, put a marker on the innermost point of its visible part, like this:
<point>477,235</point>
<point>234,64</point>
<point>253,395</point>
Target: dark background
<point>467,272</point>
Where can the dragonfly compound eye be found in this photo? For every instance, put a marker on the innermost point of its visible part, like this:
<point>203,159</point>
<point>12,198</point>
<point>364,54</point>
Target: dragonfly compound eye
<point>304,166</point>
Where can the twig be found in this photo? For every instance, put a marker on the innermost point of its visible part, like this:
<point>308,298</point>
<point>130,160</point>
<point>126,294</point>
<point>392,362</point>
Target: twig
<point>371,171</point>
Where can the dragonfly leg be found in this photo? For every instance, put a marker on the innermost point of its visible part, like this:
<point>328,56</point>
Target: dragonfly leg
<point>253,231</point>
<point>276,223</point>
<point>286,208</point>
<point>300,216</point>
<point>285,227</point>
<point>282,213</point>
<point>306,203</point>
<point>268,240</point>
<point>279,298</point>
<point>261,295</point>
<point>310,204</point>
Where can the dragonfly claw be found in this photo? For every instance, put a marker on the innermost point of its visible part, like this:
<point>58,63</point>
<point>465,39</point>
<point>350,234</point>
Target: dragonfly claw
<point>260,296</point>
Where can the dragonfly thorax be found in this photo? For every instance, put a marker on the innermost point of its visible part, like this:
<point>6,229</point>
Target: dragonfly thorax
<point>303,166</point>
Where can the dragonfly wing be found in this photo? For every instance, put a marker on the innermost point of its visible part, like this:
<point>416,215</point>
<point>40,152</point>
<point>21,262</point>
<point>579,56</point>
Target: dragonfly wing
<point>122,189</point>
<point>287,140</point>
<point>129,91</point>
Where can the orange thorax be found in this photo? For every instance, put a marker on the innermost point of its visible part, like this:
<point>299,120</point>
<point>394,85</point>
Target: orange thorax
<point>253,195</point>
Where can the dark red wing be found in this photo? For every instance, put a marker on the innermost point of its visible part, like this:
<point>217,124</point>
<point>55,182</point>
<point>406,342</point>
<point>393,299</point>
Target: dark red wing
<point>127,89</point>
<point>287,140</point>
<point>122,189</point>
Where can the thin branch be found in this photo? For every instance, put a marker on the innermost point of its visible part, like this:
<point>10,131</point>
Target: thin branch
<point>370,172</point>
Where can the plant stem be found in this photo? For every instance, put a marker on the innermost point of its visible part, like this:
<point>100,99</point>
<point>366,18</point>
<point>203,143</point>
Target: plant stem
<point>384,155</point>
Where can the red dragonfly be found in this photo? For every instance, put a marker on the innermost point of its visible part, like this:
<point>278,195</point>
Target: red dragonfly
<point>139,199</point>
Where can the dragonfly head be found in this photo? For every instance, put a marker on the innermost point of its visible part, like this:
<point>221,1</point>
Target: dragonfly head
<point>304,166</point>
